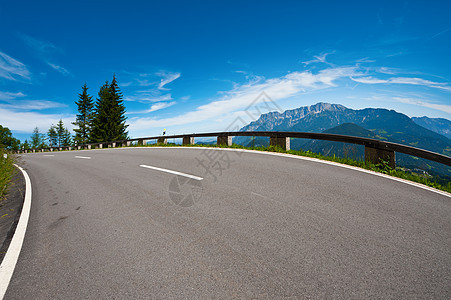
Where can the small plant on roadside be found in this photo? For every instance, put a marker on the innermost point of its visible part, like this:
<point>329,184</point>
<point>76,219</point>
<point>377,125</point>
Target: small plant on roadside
<point>6,171</point>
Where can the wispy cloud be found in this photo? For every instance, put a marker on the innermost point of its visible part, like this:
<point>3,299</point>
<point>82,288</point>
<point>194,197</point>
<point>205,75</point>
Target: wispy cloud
<point>404,80</point>
<point>318,59</point>
<point>441,107</point>
<point>11,68</point>
<point>148,96</point>
<point>166,79</point>
<point>10,96</point>
<point>40,46</point>
<point>45,51</point>
<point>438,34</point>
<point>243,95</point>
<point>28,105</point>
<point>154,107</point>
<point>60,69</point>
<point>13,101</point>
<point>15,120</point>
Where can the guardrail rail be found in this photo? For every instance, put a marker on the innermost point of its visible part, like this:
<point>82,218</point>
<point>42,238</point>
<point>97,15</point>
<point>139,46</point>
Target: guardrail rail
<point>375,150</point>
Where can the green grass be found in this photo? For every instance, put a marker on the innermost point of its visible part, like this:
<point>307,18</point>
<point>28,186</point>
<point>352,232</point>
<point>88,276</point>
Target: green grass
<point>382,167</point>
<point>7,170</point>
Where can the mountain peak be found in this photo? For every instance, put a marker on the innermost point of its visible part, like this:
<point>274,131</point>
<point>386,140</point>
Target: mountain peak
<point>322,106</point>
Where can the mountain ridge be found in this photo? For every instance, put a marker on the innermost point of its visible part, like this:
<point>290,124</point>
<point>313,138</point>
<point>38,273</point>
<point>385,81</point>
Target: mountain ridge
<point>383,124</point>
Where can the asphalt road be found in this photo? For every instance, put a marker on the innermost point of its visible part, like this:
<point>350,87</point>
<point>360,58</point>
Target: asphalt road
<point>256,226</point>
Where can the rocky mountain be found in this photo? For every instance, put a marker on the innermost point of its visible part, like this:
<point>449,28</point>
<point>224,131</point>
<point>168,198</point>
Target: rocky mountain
<point>377,123</point>
<point>438,125</point>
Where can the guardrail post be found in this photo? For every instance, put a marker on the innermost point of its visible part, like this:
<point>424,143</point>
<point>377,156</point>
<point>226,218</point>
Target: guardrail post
<point>188,140</point>
<point>162,140</point>
<point>100,146</point>
<point>89,147</point>
<point>224,140</point>
<point>113,145</point>
<point>78,147</point>
<point>375,156</point>
<point>283,142</point>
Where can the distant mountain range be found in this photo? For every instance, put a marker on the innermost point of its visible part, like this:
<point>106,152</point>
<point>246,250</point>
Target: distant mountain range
<point>427,133</point>
<point>439,125</point>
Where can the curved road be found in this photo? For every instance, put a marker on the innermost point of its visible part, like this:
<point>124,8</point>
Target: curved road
<point>116,223</point>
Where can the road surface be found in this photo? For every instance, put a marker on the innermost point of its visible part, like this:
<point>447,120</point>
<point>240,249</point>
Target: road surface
<point>193,223</point>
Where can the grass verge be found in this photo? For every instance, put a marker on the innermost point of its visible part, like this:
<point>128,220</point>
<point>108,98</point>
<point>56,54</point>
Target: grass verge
<point>381,167</point>
<point>7,170</point>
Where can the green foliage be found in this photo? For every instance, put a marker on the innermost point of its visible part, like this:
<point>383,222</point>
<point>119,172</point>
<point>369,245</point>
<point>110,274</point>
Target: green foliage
<point>84,117</point>
<point>109,119</point>
<point>25,145</point>
<point>37,139</point>
<point>59,135</point>
<point>52,136</point>
<point>7,140</point>
<point>6,171</point>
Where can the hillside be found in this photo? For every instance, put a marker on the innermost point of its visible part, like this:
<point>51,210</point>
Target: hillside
<point>383,124</point>
<point>438,125</point>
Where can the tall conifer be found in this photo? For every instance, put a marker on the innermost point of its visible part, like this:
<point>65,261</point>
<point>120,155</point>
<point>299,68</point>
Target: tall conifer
<point>84,117</point>
<point>109,120</point>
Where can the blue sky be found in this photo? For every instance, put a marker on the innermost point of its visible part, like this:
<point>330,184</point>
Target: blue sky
<point>195,66</point>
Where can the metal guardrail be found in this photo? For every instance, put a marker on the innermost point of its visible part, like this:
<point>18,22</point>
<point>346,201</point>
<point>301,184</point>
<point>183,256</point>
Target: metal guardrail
<point>374,149</point>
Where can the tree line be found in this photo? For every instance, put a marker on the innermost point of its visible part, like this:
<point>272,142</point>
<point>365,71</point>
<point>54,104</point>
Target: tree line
<point>102,120</point>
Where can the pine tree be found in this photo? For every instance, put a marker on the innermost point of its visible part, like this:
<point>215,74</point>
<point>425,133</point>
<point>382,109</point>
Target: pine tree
<point>66,138</point>
<point>109,120</point>
<point>84,118</point>
<point>63,134</point>
<point>25,145</point>
<point>37,139</point>
<point>52,136</point>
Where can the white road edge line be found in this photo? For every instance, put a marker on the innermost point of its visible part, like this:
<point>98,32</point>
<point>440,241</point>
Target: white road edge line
<point>48,155</point>
<point>84,157</point>
<point>9,261</point>
<point>172,172</point>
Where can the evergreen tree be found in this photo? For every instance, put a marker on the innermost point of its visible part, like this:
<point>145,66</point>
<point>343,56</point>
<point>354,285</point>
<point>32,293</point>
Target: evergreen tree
<point>66,138</point>
<point>109,120</point>
<point>52,136</point>
<point>37,139</point>
<point>25,145</point>
<point>84,118</point>
<point>63,134</point>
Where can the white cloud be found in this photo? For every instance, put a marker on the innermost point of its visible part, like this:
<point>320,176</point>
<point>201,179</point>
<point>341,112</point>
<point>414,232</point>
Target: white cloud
<point>11,68</point>
<point>32,104</point>
<point>166,79</point>
<point>243,95</point>
<point>10,96</point>
<point>60,69</point>
<point>405,80</point>
<point>38,45</point>
<point>318,59</point>
<point>418,102</point>
<point>369,80</point>
<point>389,71</point>
<point>154,107</point>
<point>420,81</point>
<point>147,96</point>
<point>27,121</point>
